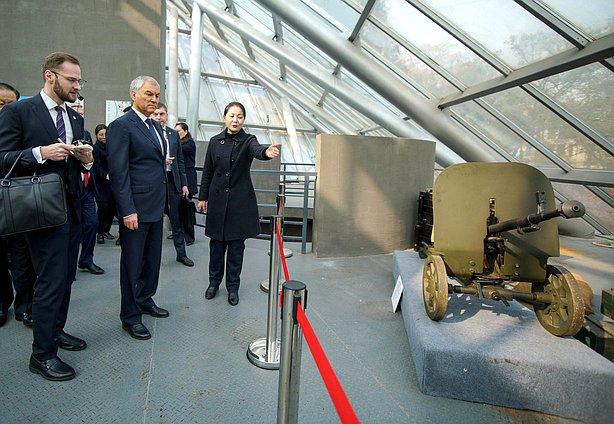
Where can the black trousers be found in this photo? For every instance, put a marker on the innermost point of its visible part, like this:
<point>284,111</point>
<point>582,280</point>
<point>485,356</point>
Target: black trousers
<point>173,203</point>
<point>139,269</point>
<point>21,277</point>
<point>233,250</point>
<point>54,254</point>
<point>106,213</point>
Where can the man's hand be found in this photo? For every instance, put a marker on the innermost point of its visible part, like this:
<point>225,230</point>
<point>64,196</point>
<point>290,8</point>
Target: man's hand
<point>169,160</point>
<point>85,156</point>
<point>132,221</point>
<point>202,206</point>
<point>56,151</point>
<point>185,191</point>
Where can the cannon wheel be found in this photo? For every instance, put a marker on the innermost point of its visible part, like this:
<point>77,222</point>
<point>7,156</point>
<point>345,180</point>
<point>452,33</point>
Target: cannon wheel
<point>435,287</point>
<point>565,315</point>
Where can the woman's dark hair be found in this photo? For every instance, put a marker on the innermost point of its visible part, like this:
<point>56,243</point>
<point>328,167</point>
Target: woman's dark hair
<point>99,128</point>
<point>183,125</point>
<point>239,105</point>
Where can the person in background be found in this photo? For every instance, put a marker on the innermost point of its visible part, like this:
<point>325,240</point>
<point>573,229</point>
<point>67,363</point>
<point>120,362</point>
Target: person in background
<point>227,195</point>
<point>188,146</point>
<point>177,185</point>
<point>41,129</point>
<point>15,255</point>
<point>7,94</point>
<point>106,204</point>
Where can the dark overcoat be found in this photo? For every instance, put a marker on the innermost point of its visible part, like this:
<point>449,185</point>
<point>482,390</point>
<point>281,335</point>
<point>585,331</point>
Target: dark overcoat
<point>188,146</point>
<point>226,186</point>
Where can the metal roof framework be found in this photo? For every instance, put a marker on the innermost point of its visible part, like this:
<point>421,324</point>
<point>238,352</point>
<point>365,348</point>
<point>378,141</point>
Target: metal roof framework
<point>517,80</point>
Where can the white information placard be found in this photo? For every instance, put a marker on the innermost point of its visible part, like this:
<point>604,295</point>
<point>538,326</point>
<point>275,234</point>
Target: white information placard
<point>115,109</point>
<point>396,294</point>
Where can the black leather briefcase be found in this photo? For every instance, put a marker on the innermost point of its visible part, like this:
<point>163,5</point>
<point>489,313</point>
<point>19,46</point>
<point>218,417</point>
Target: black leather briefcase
<point>31,203</point>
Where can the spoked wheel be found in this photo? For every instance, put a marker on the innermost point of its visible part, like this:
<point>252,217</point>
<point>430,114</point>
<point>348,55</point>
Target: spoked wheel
<point>435,287</point>
<point>565,315</point>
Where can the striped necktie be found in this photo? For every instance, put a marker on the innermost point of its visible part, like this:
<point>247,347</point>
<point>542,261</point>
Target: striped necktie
<point>59,124</point>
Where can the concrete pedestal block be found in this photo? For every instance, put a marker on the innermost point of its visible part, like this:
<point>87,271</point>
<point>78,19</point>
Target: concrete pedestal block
<point>483,351</point>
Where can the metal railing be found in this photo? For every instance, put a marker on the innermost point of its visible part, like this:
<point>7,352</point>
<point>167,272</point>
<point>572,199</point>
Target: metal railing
<point>300,195</point>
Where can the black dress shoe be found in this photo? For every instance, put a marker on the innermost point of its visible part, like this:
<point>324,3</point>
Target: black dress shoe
<point>100,239</point>
<point>137,331</point>
<point>68,342</point>
<point>155,311</point>
<point>185,260</point>
<point>189,242</point>
<point>118,242</point>
<point>53,369</point>
<point>92,268</point>
<point>210,292</point>
<point>170,237</point>
<point>3,317</point>
<point>108,236</point>
<point>233,298</point>
<point>26,318</point>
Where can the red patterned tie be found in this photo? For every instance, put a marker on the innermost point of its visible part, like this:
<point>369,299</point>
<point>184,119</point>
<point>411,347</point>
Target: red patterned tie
<point>86,178</point>
<point>59,124</point>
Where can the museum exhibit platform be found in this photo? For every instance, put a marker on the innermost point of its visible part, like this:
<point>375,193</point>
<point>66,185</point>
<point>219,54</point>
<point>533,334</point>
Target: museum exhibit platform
<point>484,351</point>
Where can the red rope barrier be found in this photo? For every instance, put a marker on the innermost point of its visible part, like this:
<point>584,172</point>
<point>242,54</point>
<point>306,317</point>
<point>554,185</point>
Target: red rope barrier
<point>281,253</point>
<point>340,401</point>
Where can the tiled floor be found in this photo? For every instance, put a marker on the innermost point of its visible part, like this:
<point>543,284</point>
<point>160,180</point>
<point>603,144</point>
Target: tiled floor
<point>194,369</point>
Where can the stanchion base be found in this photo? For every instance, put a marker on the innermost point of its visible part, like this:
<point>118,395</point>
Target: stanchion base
<point>256,354</point>
<point>287,253</point>
<point>264,286</point>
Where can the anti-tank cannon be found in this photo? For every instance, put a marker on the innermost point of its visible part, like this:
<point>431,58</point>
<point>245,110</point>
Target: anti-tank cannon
<point>487,237</point>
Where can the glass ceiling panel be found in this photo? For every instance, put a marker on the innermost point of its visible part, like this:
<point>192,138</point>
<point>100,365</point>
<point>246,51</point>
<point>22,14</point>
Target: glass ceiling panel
<point>501,135</point>
<point>588,93</point>
<point>595,17</point>
<point>209,58</point>
<point>265,60</point>
<point>312,53</point>
<point>266,106</point>
<point>361,88</point>
<point>340,110</point>
<point>319,16</point>
<point>550,130</point>
<point>257,17</point>
<point>312,91</point>
<point>342,12</point>
<point>434,41</point>
<point>209,108</point>
<point>595,207</point>
<point>504,28</point>
<point>183,50</point>
<point>407,62</point>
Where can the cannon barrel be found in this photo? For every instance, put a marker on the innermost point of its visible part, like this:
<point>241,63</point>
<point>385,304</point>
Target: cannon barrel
<point>569,209</point>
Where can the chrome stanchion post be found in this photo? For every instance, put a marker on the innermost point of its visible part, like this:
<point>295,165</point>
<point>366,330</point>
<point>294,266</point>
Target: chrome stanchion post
<point>280,201</point>
<point>281,204</point>
<point>294,293</point>
<point>264,352</point>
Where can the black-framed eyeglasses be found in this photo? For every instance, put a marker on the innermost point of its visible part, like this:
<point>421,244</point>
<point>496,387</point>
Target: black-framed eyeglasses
<point>73,81</point>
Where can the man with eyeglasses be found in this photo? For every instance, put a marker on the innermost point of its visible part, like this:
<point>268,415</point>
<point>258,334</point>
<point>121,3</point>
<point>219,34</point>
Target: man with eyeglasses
<point>43,129</point>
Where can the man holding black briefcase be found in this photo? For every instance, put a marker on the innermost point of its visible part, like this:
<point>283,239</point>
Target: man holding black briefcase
<point>38,133</point>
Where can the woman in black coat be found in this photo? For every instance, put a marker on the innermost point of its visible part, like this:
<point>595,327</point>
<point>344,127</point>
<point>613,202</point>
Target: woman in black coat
<point>104,198</point>
<point>188,215</point>
<point>227,195</point>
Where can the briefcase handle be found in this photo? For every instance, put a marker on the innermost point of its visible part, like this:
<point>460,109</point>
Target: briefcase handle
<point>8,174</point>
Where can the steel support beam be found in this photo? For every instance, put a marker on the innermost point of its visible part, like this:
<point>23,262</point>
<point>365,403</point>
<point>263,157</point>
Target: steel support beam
<point>460,140</point>
<point>596,51</point>
<point>195,57</point>
<point>358,101</point>
<point>273,83</point>
<point>172,86</point>
<point>596,177</point>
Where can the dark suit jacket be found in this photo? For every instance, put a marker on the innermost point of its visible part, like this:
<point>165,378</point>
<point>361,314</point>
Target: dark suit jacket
<point>232,210</point>
<point>137,169</point>
<point>27,124</point>
<point>178,166</point>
